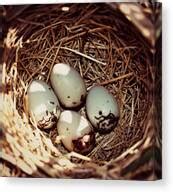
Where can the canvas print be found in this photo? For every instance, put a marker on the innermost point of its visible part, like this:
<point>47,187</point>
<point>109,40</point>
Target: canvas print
<point>80,92</point>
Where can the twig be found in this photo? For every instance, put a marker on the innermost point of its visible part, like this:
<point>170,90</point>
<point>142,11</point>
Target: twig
<point>116,79</point>
<point>83,55</point>
<point>132,113</point>
<point>77,155</point>
<point>30,22</point>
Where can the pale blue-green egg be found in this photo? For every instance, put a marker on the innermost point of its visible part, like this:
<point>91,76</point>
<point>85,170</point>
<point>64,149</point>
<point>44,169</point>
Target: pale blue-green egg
<point>42,104</point>
<point>75,131</point>
<point>102,109</point>
<point>68,85</point>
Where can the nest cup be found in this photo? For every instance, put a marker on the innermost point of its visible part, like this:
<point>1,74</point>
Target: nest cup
<point>106,50</point>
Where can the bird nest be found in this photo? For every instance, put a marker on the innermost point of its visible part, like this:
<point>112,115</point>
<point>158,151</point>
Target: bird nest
<point>106,49</point>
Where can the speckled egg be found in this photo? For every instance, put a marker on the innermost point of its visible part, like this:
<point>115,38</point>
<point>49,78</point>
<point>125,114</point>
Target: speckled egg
<point>68,85</point>
<point>102,109</point>
<point>76,133</point>
<point>42,104</point>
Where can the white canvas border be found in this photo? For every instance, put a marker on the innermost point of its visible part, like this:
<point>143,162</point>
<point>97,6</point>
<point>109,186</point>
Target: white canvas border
<point>21,184</point>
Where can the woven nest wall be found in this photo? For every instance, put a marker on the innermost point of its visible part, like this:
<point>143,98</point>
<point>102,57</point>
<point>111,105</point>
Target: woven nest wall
<point>106,49</point>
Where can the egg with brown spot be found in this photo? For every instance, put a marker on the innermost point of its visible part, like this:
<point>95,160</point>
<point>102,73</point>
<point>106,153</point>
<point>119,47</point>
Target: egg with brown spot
<point>68,85</point>
<point>76,132</point>
<point>42,104</point>
<point>102,109</point>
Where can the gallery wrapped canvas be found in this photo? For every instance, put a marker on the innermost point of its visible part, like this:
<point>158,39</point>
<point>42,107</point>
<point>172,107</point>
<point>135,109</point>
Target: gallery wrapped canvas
<point>80,90</point>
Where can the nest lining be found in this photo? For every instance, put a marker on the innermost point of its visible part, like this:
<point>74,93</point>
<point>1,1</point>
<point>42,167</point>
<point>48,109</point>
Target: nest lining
<point>100,44</point>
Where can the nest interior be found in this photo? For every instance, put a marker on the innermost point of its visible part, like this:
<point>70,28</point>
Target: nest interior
<point>104,48</point>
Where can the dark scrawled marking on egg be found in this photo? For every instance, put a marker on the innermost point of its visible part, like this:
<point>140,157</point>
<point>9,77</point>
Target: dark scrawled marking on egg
<point>50,118</point>
<point>102,109</point>
<point>45,121</point>
<point>77,134</point>
<point>106,123</point>
<point>84,144</point>
<point>43,105</point>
